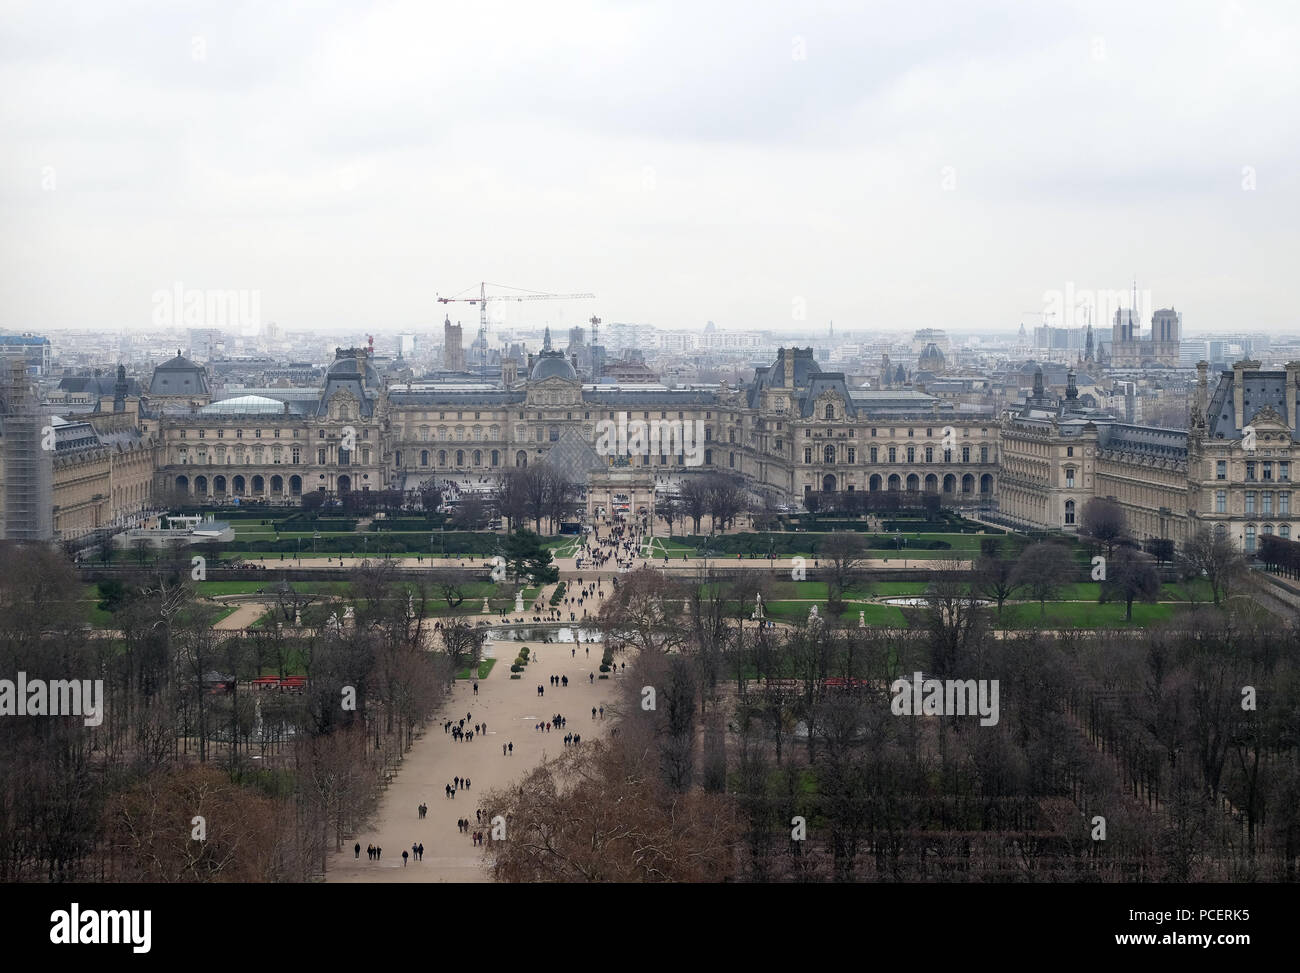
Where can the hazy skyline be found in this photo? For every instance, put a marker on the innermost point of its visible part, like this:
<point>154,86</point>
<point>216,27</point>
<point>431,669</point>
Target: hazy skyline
<point>900,166</point>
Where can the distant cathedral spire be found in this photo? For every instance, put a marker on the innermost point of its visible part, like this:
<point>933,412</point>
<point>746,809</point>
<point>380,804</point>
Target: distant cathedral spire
<point>546,340</point>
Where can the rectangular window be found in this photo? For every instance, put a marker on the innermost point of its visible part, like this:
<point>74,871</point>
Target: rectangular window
<point>1069,450</point>
<point>1284,504</point>
<point>1266,503</point>
<point>1220,501</point>
<point>965,454</point>
<point>1069,479</point>
<point>320,457</point>
<point>1221,470</point>
<point>1268,472</point>
<point>853,455</point>
<point>893,455</point>
<point>875,454</point>
<point>929,454</point>
<point>1250,472</point>
<point>1284,472</point>
<point>807,455</point>
<point>1250,501</point>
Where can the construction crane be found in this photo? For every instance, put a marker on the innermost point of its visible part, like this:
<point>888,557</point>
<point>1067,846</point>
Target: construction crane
<point>484,297</point>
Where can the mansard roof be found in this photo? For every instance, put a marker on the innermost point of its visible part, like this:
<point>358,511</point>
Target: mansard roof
<point>1261,388</point>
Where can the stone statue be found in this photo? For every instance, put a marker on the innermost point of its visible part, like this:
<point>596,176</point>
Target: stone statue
<point>862,619</point>
<point>486,609</point>
<point>813,617</point>
<point>758,607</point>
<point>334,622</point>
<point>519,600</point>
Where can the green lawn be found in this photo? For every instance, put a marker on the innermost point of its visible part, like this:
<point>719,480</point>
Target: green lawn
<point>1083,614</point>
<point>484,667</point>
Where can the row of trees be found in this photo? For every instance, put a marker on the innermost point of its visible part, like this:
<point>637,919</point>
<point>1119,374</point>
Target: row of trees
<point>537,492</point>
<point>749,728</point>
<point>279,778</point>
<point>719,496</point>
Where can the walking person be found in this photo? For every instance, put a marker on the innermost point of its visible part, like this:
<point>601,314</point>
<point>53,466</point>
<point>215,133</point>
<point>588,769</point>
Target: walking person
<point>357,848</point>
<point>404,854</point>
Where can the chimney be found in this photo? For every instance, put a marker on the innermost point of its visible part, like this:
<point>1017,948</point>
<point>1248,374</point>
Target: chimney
<point>1292,389</point>
<point>1202,403</point>
<point>1239,389</point>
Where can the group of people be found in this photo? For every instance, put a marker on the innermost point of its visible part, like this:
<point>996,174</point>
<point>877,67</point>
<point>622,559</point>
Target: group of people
<point>624,545</point>
<point>373,852</point>
<point>557,681</point>
<point>417,852</point>
<point>458,732</point>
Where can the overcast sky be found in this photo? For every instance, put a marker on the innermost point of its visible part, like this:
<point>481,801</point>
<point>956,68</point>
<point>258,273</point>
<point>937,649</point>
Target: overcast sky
<point>885,166</point>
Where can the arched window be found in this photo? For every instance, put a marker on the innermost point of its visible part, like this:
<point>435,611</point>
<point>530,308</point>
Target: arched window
<point>1220,531</point>
<point>1069,511</point>
<point>424,457</point>
<point>830,412</point>
<point>1284,531</point>
<point>1250,538</point>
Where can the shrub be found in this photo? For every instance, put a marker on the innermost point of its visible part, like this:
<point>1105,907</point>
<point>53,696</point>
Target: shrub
<point>516,667</point>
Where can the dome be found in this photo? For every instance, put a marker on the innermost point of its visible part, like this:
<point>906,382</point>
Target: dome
<point>931,358</point>
<point>552,364</point>
<point>243,405</point>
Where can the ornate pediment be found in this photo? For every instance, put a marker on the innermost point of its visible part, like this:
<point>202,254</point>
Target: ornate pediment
<point>1268,416</point>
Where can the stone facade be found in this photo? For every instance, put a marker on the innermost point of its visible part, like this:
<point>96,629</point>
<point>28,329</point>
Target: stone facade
<point>1231,471</point>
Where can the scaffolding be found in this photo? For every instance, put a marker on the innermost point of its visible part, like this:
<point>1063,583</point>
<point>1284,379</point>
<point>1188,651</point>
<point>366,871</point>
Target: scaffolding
<point>26,459</point>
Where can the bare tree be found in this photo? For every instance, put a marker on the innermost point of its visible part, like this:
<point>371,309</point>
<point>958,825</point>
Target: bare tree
<point>1130,576</point>
<point>845,553</point>
<point>1103,521</point>
<point>645,612</point>
<point>1043,570</point>
<point>995,579</point>
<point>695,499</point>
<point>1216,559</point>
